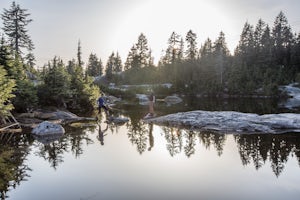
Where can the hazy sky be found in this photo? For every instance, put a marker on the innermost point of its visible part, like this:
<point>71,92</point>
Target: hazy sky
<point>104,26</point>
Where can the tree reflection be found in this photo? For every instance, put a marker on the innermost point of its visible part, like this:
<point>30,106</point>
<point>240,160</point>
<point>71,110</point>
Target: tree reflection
<point>73,141</point>
<point>174,140</point>
<point>137,134</point>
<point>189,148</point>
<point>52,152</point>
<point>211,138</point>
<point>14,149</point>
<point>174,137</point>
<point>276,148</point>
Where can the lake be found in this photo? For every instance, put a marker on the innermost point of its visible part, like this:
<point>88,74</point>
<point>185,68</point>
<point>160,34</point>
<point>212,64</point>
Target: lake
<point>136,160</point>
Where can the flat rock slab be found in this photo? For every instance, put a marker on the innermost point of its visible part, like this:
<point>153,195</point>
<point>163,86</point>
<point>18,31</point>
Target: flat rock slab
<point>232,122</point>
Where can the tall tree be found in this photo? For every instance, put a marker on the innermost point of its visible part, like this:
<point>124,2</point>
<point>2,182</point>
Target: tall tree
<point>221,52</point>
<point>142,51</point>
<point>94,66</point>
<point>207,49</point>
<point>117,64</point>
<point>245,49</point>
<point>174,50</point>
<point>139,54</point>
<point>15,21</point>
<point>283,38</point>
<point>191,52</point>
<point>130,60</point>
<point>110,65</point>
<point>79,55</point>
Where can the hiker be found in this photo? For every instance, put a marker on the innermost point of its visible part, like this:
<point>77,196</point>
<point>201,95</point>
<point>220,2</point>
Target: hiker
<point>101,104</point>
<point>151,104</point>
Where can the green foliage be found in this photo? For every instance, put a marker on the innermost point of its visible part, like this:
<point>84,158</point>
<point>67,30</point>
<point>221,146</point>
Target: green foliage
<point>7,86</point>
<point>26,96</point>
<point>67,87</point>
<point>56,87</point>
<point>94,66</point>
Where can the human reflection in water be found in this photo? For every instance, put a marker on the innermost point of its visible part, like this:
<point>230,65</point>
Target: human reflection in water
<point>151,138</point>
<point>101,132</point>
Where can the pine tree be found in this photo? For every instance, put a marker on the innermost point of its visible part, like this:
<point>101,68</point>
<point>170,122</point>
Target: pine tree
<point>139,54</point>
<point>142,51</point>
<point>56,87</point>
<point>174,52</point>
<point>110,65</point>
<point>15,21</point>
<point>79,55</point>
<point>245,49</point>
<point>191,52</point>
<point>117,64</point>
<point>130,58</point>
<point>94,66</point>
<point>283,38</point>
<point>207,49</point>
<point>220,52</point>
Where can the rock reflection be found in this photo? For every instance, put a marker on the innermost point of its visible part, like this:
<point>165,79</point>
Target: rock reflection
<point>14,149</point>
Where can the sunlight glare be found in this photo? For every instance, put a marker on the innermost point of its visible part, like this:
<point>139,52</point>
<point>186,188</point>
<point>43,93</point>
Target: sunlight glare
<point>158,22</point>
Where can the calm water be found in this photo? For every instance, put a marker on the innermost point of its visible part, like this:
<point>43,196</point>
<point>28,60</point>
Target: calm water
<point>143,161</point>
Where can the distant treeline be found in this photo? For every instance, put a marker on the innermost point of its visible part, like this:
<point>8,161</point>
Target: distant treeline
<point>264,59</point>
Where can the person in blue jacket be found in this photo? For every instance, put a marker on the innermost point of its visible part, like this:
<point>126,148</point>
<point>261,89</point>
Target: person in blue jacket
<point>101,104</point>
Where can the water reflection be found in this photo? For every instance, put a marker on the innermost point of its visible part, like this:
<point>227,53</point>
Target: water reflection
<point>73,142</point>
<point>210,138</point>
<point>255,150</point>
<point>275,148</point>
<point>101,133</point>
<point>14,148</point>
<point>151,138</point>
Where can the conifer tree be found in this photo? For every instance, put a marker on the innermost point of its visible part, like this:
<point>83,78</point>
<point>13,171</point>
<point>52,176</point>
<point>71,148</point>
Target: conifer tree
<point>282,37</point>
<point>221,52</point>
<point>191,52</point>
<point>245,47</point>
<point>94,66</point>
<point>117,64</point>
<point>15,21</point>
<point>207,49</point>
<point>110,65</point>
<point>174,50</point>
<point>79,55</point>
<point>56,87</point>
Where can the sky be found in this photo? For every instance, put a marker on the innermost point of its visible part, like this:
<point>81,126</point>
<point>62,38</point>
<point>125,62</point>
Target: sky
<point>106,26</point>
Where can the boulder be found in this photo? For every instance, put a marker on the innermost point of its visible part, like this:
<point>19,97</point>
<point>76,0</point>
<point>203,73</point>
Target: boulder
<point>48,128</point>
